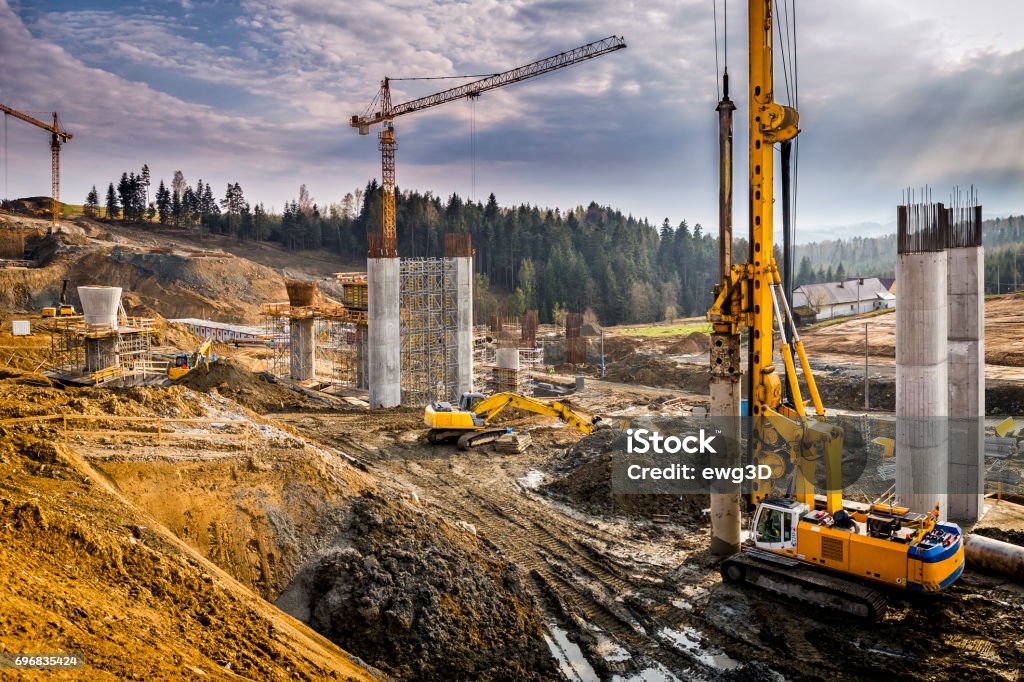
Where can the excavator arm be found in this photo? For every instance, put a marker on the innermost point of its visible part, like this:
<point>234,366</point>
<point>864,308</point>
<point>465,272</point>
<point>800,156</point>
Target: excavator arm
<point>489,408</point>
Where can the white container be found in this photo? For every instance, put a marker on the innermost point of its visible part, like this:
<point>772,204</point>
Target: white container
<point>21,328</point>
<point>100,304</point>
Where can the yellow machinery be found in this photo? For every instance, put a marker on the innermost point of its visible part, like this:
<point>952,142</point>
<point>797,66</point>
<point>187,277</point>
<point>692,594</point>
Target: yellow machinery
<point>471,421</point>
<point>185,363</point>
<point>879,543</point>
<point>63,308</point>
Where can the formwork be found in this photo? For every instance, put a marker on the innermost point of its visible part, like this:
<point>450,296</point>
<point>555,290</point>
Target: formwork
<point>102,353</point>
<point>429,349</point>
<point>336,329</point>
<point>507,375</point>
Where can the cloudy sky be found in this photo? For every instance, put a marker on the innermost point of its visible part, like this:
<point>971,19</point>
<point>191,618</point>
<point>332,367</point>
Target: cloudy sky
<point>260,92</point>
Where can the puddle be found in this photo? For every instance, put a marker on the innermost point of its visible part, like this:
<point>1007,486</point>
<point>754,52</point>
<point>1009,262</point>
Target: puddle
<point>610,651</point>
<point>655,674</point>
<point>571,660</point>
<point>688,640</point>
<point>532,479</point>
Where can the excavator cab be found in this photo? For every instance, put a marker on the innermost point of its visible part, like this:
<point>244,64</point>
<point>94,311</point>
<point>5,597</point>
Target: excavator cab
<point>469,400</point>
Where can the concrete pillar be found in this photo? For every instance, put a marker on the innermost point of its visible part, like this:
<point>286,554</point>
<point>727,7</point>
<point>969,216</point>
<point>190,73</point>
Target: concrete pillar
<point>726,502</point>
<point>966,291</point>
<point>302,340</point>
<point>506,358</point>
<point>464,324</point>
<point>383,358</point>
<point>922,396</point>
<point>362,342</point>
<point>101,353</point>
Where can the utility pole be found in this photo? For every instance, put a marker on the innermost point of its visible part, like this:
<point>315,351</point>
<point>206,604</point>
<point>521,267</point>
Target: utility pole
<point>867,403</point>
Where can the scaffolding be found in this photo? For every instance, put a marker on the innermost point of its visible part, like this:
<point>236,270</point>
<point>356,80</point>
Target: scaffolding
<point>100,354</point>
<point>428,303</point>
<point>337,334</point>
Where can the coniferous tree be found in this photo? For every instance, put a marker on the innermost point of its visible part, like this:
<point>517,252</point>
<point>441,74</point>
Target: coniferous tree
<point>111,204</point>
<point>163,203</point>
<point>92,203</point>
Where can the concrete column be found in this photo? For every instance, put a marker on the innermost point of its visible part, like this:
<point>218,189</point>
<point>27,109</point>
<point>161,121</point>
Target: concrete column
<point>922,396</point>
<point>506,358</point>
<point>383,358</point>
<point>966,291</point>
<point>101,353</point>
<point>726,503</point>
<point>464,324</point>
<point>303,349</point>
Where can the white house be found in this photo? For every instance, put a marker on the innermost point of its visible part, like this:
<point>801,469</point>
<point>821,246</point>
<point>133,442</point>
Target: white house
<point>838,299</point>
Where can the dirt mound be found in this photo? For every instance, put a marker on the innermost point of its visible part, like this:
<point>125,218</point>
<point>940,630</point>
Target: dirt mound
<point>258,392</point>
<point>421,599</point>
<point>1014,537</point>
<point>584,480</point>
<point>691,344</point>
<point>83,571</point>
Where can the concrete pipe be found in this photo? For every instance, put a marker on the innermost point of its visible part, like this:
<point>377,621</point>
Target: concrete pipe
<point>995,556</point>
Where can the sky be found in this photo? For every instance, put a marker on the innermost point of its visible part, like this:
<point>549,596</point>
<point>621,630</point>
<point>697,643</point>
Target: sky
<point>260,92</point>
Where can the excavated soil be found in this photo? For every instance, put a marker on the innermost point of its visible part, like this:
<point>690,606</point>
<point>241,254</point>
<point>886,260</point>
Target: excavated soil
<point>583,478</point>
<point>170,282</point>
<point>424,599</point>
<point>84,571</point>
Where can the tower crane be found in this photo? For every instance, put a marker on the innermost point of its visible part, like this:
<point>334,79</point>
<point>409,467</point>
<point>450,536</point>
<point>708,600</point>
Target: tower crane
<point>803,546</point>
<point>58,136</point>
<point>388,112</point>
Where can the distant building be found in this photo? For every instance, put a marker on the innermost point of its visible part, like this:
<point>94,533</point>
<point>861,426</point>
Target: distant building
<point>817,302</point>
<point>222,331</point>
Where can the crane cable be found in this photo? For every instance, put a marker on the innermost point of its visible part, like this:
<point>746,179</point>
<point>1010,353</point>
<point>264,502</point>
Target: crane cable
<point>472,147</point>
<point>6,189</point>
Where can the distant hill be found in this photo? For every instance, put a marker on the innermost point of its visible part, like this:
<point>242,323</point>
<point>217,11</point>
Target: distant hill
<point>876,256</point>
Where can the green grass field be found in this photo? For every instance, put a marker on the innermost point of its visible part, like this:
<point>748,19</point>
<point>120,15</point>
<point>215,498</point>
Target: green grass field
<point>661,329</point>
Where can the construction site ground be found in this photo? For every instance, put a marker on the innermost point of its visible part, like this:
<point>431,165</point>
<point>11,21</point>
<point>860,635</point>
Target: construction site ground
<point>341,545</point>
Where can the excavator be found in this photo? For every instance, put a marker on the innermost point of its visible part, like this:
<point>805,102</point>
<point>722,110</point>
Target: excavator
<point>62,308</point>
<point>471,421</point>
<point>185,362</point>
<point>817,548</point>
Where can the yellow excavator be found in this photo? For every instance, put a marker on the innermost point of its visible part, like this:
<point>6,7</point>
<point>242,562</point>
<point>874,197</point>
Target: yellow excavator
<point>186,362</point>
<point>818,548</point>
<point>62,308</point>
<point>471,421</point>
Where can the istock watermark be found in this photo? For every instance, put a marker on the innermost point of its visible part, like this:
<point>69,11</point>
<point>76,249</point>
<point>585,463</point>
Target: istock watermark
<point>681,455</point>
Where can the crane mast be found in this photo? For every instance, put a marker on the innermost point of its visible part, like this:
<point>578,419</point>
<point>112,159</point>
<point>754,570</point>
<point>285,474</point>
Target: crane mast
<point>58,136</point>
<point>386,244</point>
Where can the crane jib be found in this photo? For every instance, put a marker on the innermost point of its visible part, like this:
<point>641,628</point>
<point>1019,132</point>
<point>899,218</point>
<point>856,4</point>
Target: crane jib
<point>538,68</point>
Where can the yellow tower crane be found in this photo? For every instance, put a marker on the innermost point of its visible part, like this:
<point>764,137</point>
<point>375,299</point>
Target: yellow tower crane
<point>58,136</point>
<point>388,112</point>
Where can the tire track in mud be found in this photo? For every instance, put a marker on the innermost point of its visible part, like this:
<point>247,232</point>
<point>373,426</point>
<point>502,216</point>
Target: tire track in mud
<point>566,573</point>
